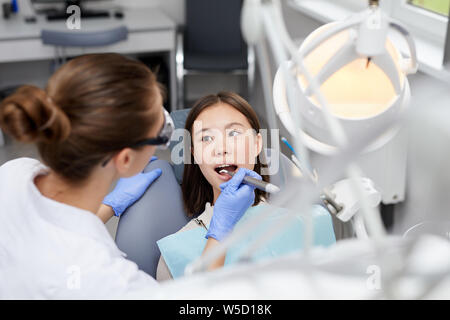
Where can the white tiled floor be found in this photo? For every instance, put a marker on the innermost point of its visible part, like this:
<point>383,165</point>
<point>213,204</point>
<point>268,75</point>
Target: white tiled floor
<point>12,150</point>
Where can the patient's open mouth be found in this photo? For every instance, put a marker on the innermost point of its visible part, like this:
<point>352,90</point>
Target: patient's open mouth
<point>228,167</point>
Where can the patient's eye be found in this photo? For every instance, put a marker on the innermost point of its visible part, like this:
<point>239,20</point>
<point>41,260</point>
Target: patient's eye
<point>207,139</point>
<point>234,133</point>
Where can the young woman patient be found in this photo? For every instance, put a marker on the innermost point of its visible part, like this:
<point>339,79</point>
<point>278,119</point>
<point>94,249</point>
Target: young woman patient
<point>224,132</point>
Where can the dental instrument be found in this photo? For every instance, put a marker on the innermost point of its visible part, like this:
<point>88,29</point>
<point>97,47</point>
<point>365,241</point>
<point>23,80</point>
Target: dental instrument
<point>261,185</point>
<point>312,174</point>
<point>284,140</point>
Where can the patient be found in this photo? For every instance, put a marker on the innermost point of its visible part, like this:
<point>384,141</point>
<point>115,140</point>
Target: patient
<point>224,133</point>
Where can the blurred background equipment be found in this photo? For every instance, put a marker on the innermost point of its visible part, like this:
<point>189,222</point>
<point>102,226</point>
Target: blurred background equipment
<point>211,42</point>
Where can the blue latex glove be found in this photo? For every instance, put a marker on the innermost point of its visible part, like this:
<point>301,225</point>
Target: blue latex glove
<point>231,204</point>
<point>129,190</point>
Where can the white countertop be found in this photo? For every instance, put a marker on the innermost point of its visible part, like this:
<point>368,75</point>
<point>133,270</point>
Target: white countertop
<point>135,19</point>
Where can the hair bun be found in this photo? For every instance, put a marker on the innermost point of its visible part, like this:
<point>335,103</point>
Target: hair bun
<point>30,115</point>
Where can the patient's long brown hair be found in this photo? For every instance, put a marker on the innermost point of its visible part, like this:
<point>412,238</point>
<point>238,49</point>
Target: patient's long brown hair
<point>196,189</point>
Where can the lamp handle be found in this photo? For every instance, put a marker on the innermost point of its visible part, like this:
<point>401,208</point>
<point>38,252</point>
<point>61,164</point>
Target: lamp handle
<point>412,65</point>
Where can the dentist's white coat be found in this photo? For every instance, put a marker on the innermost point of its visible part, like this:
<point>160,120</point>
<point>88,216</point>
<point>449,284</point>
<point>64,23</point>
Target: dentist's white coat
<point>49,250</point>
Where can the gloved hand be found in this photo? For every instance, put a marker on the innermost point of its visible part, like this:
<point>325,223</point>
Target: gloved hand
<point>231,204</point>
<point>129,190</point>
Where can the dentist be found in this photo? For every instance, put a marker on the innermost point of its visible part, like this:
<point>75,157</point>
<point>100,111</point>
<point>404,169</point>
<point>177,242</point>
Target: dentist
<point>99,120</point>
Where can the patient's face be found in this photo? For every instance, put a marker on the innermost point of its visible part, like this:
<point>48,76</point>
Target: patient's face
<point>224,139</point>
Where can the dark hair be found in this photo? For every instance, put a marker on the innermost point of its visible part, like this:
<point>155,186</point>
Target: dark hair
<point>196,195</point>
<point>93,106</point>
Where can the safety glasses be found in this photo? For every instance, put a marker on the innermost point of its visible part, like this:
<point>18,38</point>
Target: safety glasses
<point>162,140</point>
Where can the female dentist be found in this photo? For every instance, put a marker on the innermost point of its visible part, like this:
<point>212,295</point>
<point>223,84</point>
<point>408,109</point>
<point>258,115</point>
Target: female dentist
<point>99,119</point>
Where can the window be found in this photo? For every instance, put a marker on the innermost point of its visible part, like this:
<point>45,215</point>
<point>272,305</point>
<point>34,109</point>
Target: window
<point>437,6</point>
<point>424,18</point>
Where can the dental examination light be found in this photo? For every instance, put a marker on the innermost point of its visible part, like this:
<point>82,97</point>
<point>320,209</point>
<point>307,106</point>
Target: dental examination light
<point>361,76</point>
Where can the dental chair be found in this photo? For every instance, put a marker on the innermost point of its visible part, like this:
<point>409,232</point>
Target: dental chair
<point>160,212</point>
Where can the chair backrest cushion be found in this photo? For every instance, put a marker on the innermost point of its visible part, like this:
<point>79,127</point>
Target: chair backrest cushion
<point>84,39</point>
<point>213,27</point>
<point>158,213</point>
